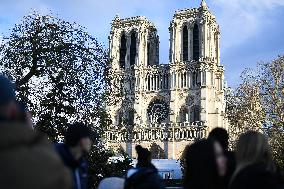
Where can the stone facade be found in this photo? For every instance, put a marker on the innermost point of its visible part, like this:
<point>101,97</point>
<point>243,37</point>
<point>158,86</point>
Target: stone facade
<point>166,104</point>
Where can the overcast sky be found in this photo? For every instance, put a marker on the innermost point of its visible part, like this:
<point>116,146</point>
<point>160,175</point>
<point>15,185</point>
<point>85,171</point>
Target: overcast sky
<point>251,30</point>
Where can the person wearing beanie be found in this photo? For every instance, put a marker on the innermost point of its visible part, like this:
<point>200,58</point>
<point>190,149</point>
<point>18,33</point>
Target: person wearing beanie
<point>145,175</point>
<point>27,158</point>
<point>8,104</point>
<point>76,145</point>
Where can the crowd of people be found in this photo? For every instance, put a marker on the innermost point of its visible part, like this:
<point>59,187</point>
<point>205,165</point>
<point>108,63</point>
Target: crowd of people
<point>208,164</point>
<point>28,160</point>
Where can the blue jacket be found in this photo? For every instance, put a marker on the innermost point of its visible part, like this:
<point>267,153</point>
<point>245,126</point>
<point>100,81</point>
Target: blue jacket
<point>143,178</point>
<point>79,168</point>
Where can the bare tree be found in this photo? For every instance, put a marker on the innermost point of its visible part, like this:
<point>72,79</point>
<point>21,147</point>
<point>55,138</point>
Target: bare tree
<point>258,104</point>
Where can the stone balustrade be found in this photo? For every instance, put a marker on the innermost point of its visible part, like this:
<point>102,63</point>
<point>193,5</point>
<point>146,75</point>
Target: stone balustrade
<point>157,132</point>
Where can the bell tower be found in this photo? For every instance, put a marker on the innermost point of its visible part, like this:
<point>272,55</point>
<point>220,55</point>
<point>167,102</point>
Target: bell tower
<point>133,43</point>
<point>172,104</point>
<point>194,34</point>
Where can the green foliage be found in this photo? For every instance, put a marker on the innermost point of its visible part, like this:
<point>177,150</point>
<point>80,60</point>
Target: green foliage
<point>101,166</point>
<point>257,104</point>
<point>59,71</point>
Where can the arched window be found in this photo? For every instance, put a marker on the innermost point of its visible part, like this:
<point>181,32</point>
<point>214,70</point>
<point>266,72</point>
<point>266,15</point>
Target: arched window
<point>119,118</point>
<point>185,79</point>
<point>204,77</point>
<point>185,43</point>
<point>148,54</point>
<point>133,49</point>
<point>195,113</point>
<point>149,82</point>
<point>194,79</point>
<point>195,42</point>
<point>167,81</point>
<point>130,118</point>
<point>184,115</point>
<point>122,51</point>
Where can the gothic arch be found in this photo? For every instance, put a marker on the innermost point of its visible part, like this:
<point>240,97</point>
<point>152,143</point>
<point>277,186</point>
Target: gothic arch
<point>130,116</point>
<point>119,117</point>
<point>125,116</point>
<point>184,114</point>
<point>133,48</point>
<point>195,113</point>
<point>185,42</point>
<point>122,51</point>
<point>148,80</point>
<point>189,101</point>
<point>196,43</point>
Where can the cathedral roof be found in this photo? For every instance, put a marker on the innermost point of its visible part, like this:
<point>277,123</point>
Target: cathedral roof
<point>132,21</point>
<point>203,5</point>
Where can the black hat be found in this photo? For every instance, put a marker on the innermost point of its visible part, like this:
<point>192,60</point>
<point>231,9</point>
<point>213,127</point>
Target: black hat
<point>7,91</point>
<point>75,133</point>
<point>143,153</point>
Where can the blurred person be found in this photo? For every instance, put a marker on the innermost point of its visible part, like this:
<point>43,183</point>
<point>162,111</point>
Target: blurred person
<point>27,159</point>
<point>221,135</point>
<point>25,115</point>
<point>145,175</point>
<point>205,165</point>
<point>112,183</point>
<point>77,144</point>
<point>255,167</point>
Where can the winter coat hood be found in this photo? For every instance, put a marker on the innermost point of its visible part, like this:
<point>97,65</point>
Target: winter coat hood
<point>28,160</point>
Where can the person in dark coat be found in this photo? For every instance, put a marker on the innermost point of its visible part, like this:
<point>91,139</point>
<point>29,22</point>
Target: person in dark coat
<point>222,136</point>
<point>205,165</point>
<point>145,175</point>
<point>255,168</point>
<point>77,144</point>
<point>27,159</point>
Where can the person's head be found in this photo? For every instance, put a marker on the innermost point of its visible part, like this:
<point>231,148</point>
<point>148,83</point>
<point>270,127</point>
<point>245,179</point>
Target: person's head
<point>24,115</point>
<point>8,105</point>
<point>221,135</point>
<point>143,156</point>
<point>112,183</point>
<point>78,135</point>
<point>205,164</point>
<point>253,148</point>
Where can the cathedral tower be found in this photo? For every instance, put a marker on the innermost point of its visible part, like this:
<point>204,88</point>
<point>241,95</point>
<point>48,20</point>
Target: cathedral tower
<point>194,34</point>
<point>133,42</point>
<point>166,105</point>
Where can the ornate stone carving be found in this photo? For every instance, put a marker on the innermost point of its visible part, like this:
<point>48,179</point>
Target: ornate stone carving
<point>190,82</point>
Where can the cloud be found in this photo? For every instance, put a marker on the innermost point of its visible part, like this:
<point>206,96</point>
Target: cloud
<point>242,19</point>
<point>250,29</point>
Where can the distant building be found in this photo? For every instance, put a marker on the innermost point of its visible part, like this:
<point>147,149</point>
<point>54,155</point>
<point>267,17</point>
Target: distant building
<point>166,105</point>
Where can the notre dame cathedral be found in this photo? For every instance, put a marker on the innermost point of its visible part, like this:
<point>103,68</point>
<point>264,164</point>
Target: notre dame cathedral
<point>165,106</point>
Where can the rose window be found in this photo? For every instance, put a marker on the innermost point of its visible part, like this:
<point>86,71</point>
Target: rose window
<point>158,111</point>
